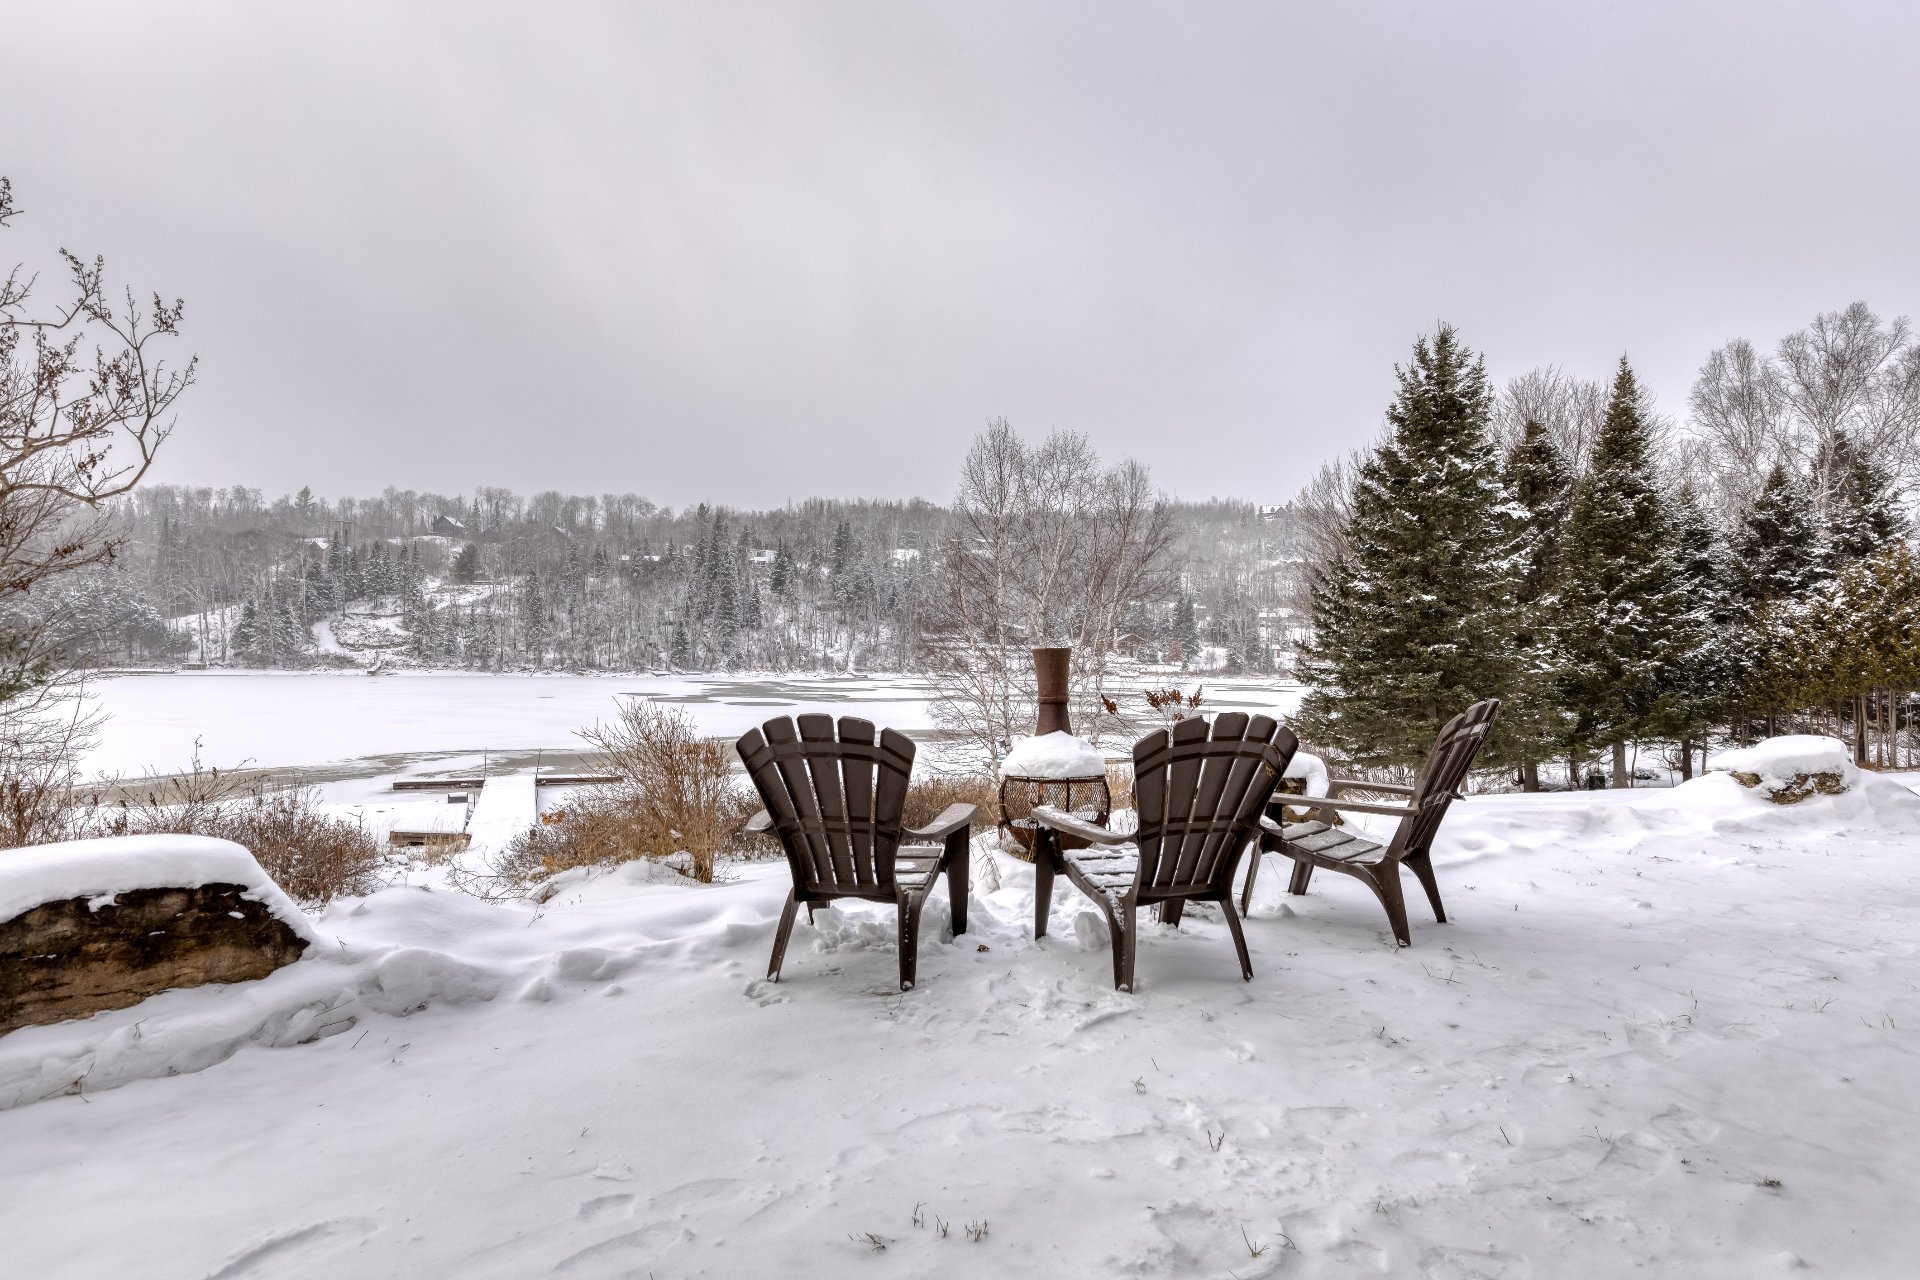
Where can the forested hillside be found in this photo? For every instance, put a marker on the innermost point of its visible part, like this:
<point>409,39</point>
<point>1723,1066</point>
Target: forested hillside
<point>497,581</point>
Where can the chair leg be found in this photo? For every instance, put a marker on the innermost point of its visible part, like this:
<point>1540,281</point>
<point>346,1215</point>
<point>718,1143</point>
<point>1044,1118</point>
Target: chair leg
<point>1125,929</point>
<point>1423,869</point>
<point>1385,883</point>
<point>1239,938</point>
<point>910,939</point>
<point>1302,872</point>
<point>781,934</point>
<point>1253,873</point>
<point>959,878</point>
<point>1170,911</point>
<point>1042,882</point>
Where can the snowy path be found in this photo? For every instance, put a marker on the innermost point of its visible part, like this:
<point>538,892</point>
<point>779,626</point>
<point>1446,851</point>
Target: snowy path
<point>1670,1034</point>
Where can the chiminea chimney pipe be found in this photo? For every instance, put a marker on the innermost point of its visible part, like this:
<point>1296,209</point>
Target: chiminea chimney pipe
<point>1050,670</point>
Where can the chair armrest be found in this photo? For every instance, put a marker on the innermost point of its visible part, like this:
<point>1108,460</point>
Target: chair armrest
<point>1335,787</point>
<point>951,819</point>
<point>1047,816</point>
<point>759,822</point>
<point>1360,806</point>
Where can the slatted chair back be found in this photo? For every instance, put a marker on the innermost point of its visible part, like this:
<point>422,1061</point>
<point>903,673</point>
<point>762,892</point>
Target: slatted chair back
<point>835,793</point>
<point>1199,791</point>
<point>1446,768</point>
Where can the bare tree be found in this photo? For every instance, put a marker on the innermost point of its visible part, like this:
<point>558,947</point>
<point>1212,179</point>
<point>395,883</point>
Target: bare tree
<point>1048,546</point>
<point>1849,377</point>
<point>84,399</point>
<point>1570,408</point>
<point>1739,414</point>
<point>1848,380</point>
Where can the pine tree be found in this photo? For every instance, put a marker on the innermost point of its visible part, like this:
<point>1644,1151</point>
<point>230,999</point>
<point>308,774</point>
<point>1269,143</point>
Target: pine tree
<point>466,565</point>
<point>1542,484</point>
<point>1864,512</point>
<point>1186,633</point>
<point>246,632</point>
<point>533,617</point>
<point>782,573</point>
<point>1533,724</point>
<point>1624,619</point>
<point>1412,623</point>
<point>1709,677</point>
<point>1775,552</point>
<point>842,548</point>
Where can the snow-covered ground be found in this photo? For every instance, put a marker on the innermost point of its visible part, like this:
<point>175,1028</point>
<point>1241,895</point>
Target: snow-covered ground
<point>1669,1033</point>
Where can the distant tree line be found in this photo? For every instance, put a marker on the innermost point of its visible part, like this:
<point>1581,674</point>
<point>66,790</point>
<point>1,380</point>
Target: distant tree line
<point>496,581</point>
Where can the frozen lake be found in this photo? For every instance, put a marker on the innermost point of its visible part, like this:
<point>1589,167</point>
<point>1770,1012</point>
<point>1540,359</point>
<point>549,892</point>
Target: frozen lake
<point>383,724</point>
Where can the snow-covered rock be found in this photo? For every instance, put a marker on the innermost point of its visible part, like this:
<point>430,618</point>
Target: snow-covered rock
<point>1054,755</point>
<point>100,869</point>
<point>91,925</point>
<point>1792,767</point>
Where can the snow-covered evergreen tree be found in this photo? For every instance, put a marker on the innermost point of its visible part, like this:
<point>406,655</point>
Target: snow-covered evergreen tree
<point>1533,722</point>
<point>1708,677</point>
<point>1864,511</point>
<point>1776,552</point>
<point>1412,622</point>
<point>1625,620</point>
<point>1186,632</point>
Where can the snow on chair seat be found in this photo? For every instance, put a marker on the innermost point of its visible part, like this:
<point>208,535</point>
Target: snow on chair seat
<point>1112,870</point>
<point>1331,842</point>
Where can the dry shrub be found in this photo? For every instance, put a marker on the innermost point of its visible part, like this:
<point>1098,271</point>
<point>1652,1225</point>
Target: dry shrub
<point>315,857</point>
<point>930,794</point>
<point>676,794</point>
<point>43,733</point>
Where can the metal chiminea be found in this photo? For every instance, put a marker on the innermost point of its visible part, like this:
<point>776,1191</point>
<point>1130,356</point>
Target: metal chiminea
<point>1088,798</point>
<point>1050,673</point>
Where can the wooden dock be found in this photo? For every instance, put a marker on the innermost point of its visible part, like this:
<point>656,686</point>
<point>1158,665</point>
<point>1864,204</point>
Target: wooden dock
<point>475,784</point>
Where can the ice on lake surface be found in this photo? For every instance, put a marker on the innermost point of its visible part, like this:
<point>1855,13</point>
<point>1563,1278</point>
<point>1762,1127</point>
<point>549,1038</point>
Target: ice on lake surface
<point>287,720</point>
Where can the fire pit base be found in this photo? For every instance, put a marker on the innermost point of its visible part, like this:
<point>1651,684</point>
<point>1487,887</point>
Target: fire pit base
<point>1087,798</point>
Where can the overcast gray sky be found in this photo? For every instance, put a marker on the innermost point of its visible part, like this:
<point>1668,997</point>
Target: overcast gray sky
<point>750,252</point>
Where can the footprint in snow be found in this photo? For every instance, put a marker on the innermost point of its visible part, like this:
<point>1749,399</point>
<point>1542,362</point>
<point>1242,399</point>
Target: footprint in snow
<point>764,993</point>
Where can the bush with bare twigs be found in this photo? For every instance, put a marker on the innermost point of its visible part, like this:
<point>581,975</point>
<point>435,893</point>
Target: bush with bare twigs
<point>928,794</point>
<point>315,857</point>
<point>677,794</point>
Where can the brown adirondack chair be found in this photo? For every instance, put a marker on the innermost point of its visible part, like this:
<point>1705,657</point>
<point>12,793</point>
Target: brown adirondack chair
<point>1200,793</point>
<point>1321,844</point>
<point>833,794</point>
